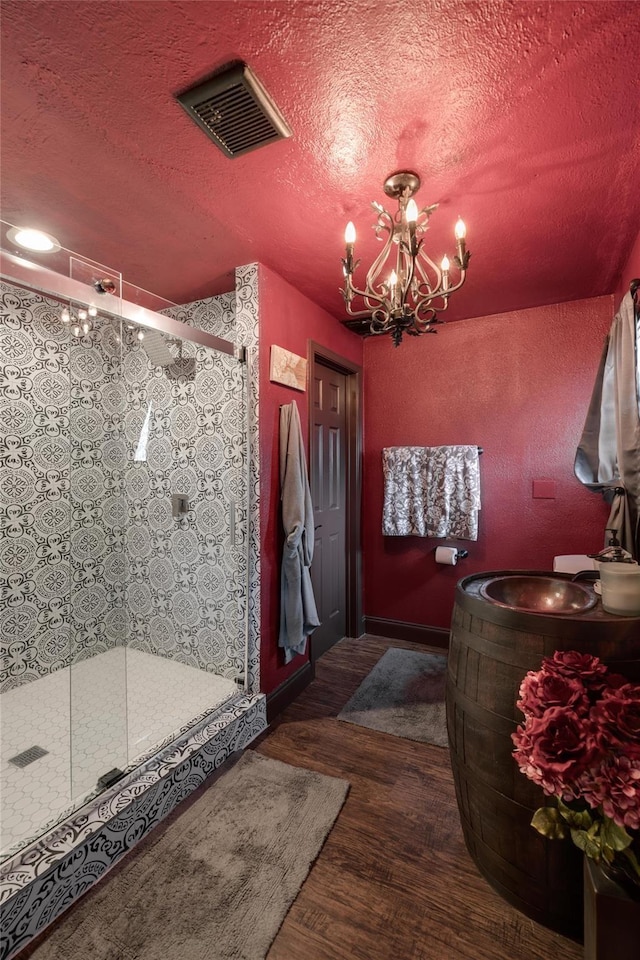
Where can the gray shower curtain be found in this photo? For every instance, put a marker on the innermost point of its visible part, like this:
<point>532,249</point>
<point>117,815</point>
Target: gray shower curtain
<point>608,456</point>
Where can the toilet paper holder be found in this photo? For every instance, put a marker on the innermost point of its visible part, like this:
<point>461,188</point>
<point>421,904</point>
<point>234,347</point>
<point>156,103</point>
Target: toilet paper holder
<point>461,554</point>
<point>457,554</point>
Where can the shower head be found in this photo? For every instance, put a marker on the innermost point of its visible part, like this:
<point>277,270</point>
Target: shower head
<point>155,346</point>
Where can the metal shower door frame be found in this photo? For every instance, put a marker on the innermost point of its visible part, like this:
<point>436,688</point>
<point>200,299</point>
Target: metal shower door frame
<point>34,277</point>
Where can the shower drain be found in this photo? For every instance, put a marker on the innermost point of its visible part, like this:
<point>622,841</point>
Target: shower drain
<point>28,756</point>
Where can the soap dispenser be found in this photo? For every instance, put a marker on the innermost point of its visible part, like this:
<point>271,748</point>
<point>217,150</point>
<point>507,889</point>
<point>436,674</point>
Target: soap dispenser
<point>619,579</point>
<point>613,552</point>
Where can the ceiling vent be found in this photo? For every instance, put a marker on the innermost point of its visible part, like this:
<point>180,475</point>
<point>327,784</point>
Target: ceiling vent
<point>235,111</point>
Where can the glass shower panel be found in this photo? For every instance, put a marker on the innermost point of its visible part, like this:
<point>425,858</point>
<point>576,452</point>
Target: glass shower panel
<point>220,458</point>
<point>35,568</point>
<point>226,379</point>
<point>99,570</point>
<point>183,565</point>
<point>123,544</point>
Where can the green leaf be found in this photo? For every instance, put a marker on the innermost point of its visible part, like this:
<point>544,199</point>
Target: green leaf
<point>587,844</point>
<point>593,830</point>
<point>613,836</point>
<point>549,823</point>
<point>578,819</point>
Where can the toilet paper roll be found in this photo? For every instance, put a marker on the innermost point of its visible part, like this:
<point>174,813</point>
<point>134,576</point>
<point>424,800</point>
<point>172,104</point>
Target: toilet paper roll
<point>447,555</point>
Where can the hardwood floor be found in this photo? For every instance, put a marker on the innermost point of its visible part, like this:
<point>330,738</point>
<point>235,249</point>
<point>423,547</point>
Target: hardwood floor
<point>394,880</point>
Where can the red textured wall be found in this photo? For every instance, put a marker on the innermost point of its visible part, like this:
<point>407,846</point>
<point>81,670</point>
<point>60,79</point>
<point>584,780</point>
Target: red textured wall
<point>516,384</point>
<point>289,320</point>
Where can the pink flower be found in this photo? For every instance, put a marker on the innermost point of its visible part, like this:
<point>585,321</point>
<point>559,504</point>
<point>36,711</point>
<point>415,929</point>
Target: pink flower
<point>570,663</point>
<point>616,788</point>
<point>617,715</point>
<point>580,741</point>
<point>541,690</point>
<point>554,749</point>
<point>615,680</point>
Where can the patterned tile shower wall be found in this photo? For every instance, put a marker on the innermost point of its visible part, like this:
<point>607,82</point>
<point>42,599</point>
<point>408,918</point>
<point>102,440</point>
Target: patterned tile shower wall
<point>73,419</point>
<point>234,316</point>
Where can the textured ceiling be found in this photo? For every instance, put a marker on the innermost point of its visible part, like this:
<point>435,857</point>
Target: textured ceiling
<point>522,117</point>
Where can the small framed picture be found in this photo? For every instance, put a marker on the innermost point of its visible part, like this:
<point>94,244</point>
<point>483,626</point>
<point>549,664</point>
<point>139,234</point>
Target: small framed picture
<point>288,368</point>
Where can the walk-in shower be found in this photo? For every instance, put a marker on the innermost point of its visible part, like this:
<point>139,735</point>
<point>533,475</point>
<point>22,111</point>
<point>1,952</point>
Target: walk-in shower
<point>125,479</point>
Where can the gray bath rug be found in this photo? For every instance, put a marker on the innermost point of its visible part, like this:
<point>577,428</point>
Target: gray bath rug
<point>218,882</point>
<point>403,695</point>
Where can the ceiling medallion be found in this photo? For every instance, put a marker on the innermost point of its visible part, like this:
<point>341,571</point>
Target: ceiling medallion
<point>405,290</point>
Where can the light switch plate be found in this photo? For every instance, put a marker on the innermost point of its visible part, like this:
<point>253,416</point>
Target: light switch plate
<point>544,490</point>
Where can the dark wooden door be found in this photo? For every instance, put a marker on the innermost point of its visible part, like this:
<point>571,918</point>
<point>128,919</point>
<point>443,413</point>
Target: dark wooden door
<point>328,492</point>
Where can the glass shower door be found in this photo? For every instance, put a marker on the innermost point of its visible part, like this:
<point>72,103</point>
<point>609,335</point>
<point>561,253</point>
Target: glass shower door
<point>34,562</point>
<point>184,433</point>
<point>124,543</point>
<point>221,512</point>
<point>98,557</point>
<point>158,489</point>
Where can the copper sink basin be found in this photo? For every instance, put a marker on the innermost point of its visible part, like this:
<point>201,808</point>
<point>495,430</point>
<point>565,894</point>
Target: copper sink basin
<point>538,594</point>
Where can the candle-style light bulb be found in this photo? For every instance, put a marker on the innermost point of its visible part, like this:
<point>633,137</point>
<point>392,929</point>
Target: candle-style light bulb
<point>347,263</point>
<point>461,232</point>
<point>65,316</point>
<point>82,314</point>
<point>411,216</point>
<point>92,311</point>
<point>444,266</point>
<point>393,288</point>
<point>462,257</point>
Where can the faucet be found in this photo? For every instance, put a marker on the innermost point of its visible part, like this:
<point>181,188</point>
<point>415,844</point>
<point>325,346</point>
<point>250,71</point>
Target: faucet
<point>591,575</point>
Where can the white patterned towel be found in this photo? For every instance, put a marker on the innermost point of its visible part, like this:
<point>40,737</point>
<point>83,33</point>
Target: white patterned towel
<point>431,491</point>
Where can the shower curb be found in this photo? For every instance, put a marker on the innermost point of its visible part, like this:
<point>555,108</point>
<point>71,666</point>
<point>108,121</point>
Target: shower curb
<point>41,882</point>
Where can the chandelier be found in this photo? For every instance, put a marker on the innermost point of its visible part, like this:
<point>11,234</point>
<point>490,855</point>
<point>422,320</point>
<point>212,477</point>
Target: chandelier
<point>404,290</point>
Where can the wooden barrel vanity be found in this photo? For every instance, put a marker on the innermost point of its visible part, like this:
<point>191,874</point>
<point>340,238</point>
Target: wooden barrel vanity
<point>491,649</point>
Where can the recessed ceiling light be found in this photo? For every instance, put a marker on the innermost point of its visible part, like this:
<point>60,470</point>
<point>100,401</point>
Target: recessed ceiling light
<point>33,240</point>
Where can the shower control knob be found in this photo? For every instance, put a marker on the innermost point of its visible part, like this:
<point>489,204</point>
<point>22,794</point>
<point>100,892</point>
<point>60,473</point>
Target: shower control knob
<point>179,505</point>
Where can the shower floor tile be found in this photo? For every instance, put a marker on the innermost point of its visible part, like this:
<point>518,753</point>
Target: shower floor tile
<point>99,714</point>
